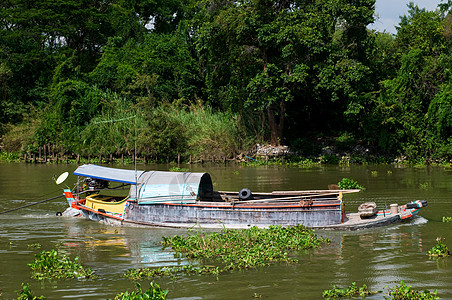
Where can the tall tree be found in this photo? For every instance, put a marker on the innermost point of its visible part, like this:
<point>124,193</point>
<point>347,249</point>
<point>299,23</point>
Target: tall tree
<point>264,54</point>
<point>417,95</point>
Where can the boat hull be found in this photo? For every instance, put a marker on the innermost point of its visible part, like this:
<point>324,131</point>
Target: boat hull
<point>217,216</point>
<point>213,216</point>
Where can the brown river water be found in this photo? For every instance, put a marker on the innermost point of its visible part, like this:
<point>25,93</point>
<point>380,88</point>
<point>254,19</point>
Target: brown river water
<point>376,257</point>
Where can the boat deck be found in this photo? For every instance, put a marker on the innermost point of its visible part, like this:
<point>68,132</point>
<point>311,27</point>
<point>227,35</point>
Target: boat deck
<point>353,221</point>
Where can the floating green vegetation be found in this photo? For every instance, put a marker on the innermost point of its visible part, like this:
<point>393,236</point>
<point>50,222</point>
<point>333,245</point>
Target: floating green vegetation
<point>447,219</point>
<point>402,292</point>
<point>247,248</point>
<point>374,173</point>
<point>177,169</point>
<point>148,273</point>
<point>424,186</point>
<point>35,245</point>
<point>347,183</point>
<point>235,249</point>
<point>256,295</point>
<point>351,292</point>
<point>26,294</point>
<point>440,249</point>
<point>52,265</point>
<point>154,292</point>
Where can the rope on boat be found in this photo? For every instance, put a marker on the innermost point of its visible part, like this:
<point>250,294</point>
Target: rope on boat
<point>31,204</point>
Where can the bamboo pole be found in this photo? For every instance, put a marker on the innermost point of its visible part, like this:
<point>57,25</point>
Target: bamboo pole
<point>294,198</point>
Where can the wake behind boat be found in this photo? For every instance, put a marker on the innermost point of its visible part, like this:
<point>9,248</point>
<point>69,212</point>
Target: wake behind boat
<point>176,199</point>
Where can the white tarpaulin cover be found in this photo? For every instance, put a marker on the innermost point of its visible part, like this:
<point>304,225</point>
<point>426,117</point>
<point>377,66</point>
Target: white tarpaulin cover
<point>174,187</point>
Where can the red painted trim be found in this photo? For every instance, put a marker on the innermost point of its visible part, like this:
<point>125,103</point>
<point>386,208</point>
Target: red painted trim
<point>246,206</point>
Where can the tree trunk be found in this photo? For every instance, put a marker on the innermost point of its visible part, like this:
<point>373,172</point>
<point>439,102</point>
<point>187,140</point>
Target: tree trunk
<point>276,122</point>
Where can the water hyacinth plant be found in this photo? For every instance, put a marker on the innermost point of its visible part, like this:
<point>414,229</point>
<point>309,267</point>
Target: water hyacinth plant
<point>447,219</point>
<point>234,249</point>
<point>351,292</point>
<point>154,292</point>
<point>26,294</point>
<point>148,273</point>
<point>347,183</point>
<point>402,292</point>
<point>440,249</point>
<point>246,248</point>
<point>52,265</point>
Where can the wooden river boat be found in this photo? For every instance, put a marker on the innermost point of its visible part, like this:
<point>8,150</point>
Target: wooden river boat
<point>184,199</point>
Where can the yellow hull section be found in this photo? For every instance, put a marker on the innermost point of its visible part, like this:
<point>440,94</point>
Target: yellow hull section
<point>107,203</point>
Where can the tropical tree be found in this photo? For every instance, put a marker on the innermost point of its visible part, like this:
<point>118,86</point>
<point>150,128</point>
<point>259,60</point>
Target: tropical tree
<point>263,55</point>
<point>417,95</point>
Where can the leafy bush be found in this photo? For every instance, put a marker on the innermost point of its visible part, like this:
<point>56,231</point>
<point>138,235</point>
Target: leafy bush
<point>8,156</point>
<point>329,159</point>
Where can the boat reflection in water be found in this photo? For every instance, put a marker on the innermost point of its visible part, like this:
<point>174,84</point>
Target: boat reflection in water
<point>140,247</point>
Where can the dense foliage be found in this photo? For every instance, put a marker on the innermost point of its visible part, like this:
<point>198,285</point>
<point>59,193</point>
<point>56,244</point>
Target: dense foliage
<point>212,78</point>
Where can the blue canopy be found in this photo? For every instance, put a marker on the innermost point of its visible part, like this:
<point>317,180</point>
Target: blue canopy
<point>154,186</point>
<point>109,174</point>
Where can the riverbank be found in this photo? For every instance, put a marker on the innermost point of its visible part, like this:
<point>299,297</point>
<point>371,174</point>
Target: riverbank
<point>252,158</point>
